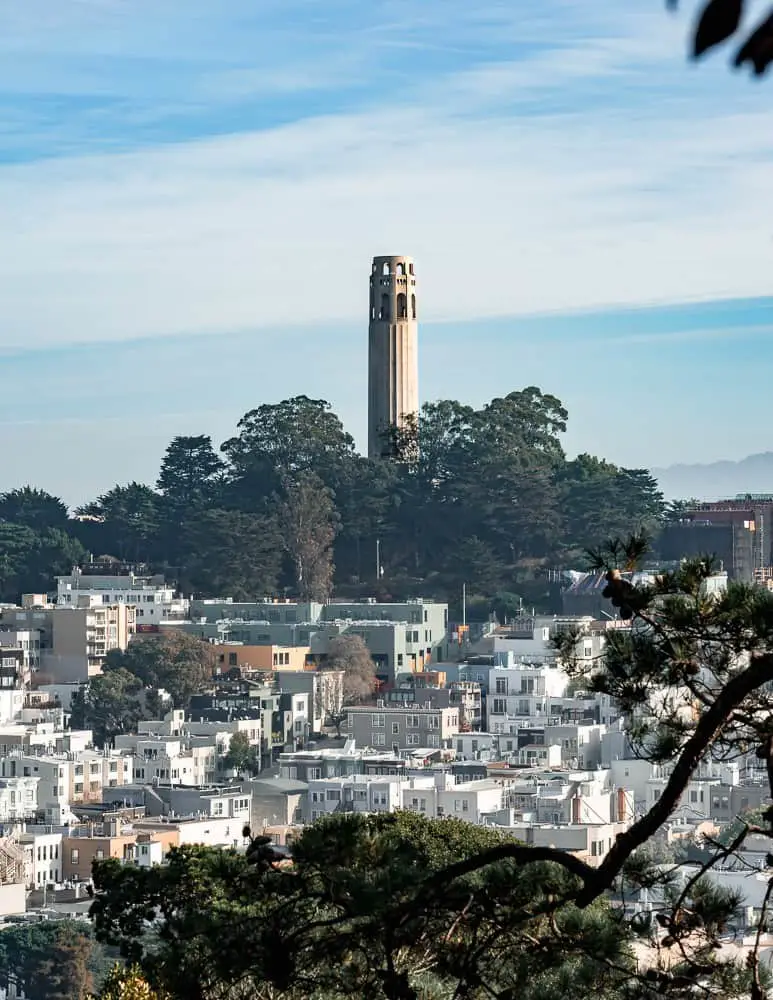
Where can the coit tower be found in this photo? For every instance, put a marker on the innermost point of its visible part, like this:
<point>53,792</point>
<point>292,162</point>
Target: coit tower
<point>393,356</point>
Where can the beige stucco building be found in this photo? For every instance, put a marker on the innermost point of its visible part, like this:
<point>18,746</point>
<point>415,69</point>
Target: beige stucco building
<point>82,637</point>
<point>393,345</point>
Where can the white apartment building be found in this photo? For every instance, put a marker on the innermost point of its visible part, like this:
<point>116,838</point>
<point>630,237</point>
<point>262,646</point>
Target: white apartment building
<point>522,691</point>
<point>539,755</point>
<point>167,761</point>
<point>145,852</point>
<point>529,639</point>
<point>364,793</point>
<point>211,831</point>
<point>475,746</point>
<point>95,770</point>
<point>433,795</point>
<point>176,725</point>
<point>472,800</point>
<point>42,856</point>
<point>18,799</point>
<point>55,778</point>
<point>153,598</point>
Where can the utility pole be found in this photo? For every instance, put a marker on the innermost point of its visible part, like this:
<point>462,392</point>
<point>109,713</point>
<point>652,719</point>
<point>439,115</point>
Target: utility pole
<point>378,559</point>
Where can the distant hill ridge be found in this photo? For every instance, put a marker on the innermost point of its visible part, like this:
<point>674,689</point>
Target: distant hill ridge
<point>718,480</point>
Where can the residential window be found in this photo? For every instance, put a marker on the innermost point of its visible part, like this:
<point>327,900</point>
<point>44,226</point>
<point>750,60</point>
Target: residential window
<point>501,685</point>
<point>499,706</point>
<point>412,739</point>
<point>379,740</point>
<point>99,854</point>
<point>333,795</point>
<point>399,659</point>
<point>74,856</point>
<point>395,728</point>
<point>377,721</point>
<point>413,722</point>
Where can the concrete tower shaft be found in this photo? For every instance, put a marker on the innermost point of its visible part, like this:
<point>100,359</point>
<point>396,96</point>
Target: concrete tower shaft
<point>393,342</point>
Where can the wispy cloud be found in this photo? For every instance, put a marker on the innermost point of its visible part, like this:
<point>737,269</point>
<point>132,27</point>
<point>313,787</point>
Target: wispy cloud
<point>181,167</point>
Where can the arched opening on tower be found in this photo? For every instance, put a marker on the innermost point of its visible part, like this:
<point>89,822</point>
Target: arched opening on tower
<point>402,306</point>
<point>413,307</point>
<point>401,269</point>
<point>385,267</point>
<point>410,268</point>
<point>384,314</point>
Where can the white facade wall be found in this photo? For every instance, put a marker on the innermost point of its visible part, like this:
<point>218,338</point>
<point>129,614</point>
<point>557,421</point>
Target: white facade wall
<point>11,705</point>
<point>694,805</point>
<point>54,776</point>
<point>636,775</point>
<point>145,854</point>
<point>212,832</point>
<point>301,714</point>
<point>475,746</point>
<point>420,795</point>
<point>533,755</point>
<point>42,858</point>
<point>357,793</point>
<point>18,799</point>
<point>154,604</point>
<point>470,800</point>
<point>167,761</point>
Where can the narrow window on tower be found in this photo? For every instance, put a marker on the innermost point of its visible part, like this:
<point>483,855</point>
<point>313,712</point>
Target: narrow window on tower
<point>413,307</point>
<point>402,307</point>
<point>385,268</point>
<point>401,269</point>
<point>384,314</point>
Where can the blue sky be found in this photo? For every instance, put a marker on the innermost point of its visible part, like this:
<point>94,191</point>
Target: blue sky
<point>190,193</point>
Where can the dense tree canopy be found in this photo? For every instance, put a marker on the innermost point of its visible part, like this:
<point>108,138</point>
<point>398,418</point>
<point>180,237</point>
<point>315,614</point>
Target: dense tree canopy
<point>342,921</point>
<point>54,960</point>
<point>34,509</point>
<point>350,654</point>
<point>177,663</point>
<point>483,496</point>
<point>109,704</point>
